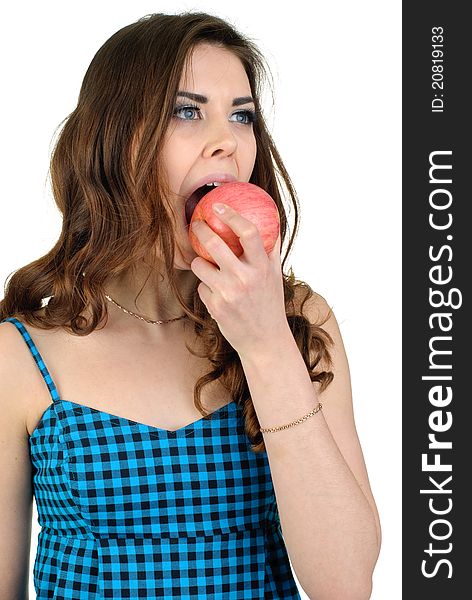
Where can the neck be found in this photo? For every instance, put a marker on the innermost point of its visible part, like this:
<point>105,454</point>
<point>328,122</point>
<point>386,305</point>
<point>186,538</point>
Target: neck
<point>156,299</point>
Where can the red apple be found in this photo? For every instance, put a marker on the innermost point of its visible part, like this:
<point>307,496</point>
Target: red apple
<point>250,201</point>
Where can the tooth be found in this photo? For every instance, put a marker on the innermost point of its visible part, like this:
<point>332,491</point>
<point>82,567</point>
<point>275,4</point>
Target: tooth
<point>214,183</point>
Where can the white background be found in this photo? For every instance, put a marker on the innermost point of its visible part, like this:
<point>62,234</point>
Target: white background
<point>336,124</point>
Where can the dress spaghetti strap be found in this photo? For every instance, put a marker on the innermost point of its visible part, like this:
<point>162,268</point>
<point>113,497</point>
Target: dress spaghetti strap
<point>36,355</point>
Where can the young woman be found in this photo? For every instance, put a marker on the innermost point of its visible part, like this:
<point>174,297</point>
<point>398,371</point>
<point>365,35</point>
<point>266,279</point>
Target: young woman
<point>185,427</point>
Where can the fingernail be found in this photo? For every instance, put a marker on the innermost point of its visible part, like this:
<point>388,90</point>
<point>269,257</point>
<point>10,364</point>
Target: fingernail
<point>196,224</point>
<point>219,208</point>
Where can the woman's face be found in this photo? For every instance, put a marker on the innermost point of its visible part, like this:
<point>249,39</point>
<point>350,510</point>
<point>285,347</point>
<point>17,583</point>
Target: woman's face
<point>207,137</point>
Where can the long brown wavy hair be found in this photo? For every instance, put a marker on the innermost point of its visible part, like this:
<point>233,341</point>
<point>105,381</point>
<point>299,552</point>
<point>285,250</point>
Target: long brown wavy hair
<point>109,185</point>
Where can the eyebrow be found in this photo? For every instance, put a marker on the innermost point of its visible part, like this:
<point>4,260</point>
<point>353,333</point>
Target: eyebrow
<point>204,99</point>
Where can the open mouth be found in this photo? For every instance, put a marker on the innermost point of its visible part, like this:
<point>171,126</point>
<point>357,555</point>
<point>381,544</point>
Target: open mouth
<point>194,199</point>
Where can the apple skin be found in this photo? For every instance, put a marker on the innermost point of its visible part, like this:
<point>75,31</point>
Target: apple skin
<point>250,201</point>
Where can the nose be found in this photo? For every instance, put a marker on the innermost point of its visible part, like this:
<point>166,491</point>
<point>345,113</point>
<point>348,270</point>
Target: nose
<point>220,140</point>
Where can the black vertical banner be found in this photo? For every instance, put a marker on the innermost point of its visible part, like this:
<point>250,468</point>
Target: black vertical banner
<point>437,331</point>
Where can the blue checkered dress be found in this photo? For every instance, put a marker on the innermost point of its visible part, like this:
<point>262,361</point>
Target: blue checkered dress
<point>128,510</point>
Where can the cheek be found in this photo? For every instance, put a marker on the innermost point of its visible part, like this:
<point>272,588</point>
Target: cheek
<point>251,155</point>
<point>169,160</point>
<point>178,163</point>
<point>172,155</point>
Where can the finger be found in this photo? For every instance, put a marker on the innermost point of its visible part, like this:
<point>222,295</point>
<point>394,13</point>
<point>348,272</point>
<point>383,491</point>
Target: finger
<point>206,271</point>
<point>214,245</point>
<point>247,232</point>
<point>205,295</point>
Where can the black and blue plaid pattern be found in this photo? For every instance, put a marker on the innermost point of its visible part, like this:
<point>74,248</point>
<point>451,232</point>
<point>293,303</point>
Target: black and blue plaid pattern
<point>129,510</point>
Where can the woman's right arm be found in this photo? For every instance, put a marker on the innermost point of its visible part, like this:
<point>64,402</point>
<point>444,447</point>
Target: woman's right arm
<point>16,495</point>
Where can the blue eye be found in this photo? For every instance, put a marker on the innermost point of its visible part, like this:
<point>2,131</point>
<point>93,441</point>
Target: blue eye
<point>185,110</point>
<point>249,116</point>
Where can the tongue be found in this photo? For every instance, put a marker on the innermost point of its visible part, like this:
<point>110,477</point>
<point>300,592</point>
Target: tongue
<point>194,199</point>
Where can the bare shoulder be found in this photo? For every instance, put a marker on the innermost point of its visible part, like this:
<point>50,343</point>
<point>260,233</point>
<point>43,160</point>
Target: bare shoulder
<point>16,494</point>
<point>320,314</point>
<point>20,380</point>
<point>311,304</point>
<point>10,349</point>
<point>318,311</point>
<point>12,358</point>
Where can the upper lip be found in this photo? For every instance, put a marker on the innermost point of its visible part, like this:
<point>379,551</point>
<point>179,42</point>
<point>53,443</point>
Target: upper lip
<point>220,177</point>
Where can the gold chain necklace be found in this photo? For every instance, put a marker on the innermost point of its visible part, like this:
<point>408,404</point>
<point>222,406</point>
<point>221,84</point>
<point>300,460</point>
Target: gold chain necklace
<point>159,322</point>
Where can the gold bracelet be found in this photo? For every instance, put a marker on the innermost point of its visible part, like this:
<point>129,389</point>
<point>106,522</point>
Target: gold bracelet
<point>317,408</point>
